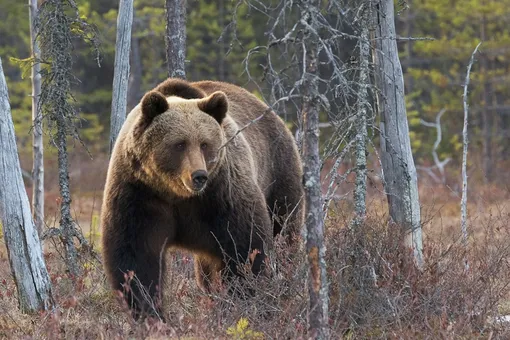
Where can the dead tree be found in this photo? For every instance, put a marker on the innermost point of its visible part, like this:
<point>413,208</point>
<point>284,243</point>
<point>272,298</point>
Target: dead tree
<point>315,248</point>
<point>463,202</point>
<point>58,23</point>
<point>37,132</point>
<point>135,76</point>
<point>23,246</point>
<point>121,70</point>
<point>176,37</point>
<point>360,189</point>
<point>400,179</point>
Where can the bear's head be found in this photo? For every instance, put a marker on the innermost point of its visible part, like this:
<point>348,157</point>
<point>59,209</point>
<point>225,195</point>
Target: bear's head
<point>178,140</point>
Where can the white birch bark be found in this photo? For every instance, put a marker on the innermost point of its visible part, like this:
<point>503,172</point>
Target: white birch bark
<point>121,70</point>
<point>176,37</point>
<point>400,179</point>
<point>37,137</point>
<point>23,246</point>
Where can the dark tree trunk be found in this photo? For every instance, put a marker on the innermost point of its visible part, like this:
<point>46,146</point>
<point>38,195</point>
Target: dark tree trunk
<point>37,133</point>
<point>56,41</point>
<point>176,38</point>
<point>487,112</point>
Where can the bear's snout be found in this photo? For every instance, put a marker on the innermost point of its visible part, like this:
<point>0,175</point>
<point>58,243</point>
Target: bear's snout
<point>199,178</point>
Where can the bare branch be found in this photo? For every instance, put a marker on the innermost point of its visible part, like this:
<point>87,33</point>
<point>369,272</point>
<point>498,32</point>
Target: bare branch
<point>250,123</point>
<point>438,164</point>
<point>399,38</point>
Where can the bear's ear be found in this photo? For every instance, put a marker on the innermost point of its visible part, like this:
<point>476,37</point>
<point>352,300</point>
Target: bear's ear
<point>180,88</point>
<point>153,104</point>
<point>216,105</point>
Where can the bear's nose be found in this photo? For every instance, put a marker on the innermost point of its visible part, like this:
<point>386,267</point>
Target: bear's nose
<point>199,178</point>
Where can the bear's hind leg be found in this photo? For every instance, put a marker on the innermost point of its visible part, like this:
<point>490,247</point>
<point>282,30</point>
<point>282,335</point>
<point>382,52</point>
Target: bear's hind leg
<point>286,208</point>
<point>249,237</point>
<point>206,272</point>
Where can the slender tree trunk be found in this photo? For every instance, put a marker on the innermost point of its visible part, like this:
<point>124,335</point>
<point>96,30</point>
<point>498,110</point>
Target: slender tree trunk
<point>487,113</point>
<point>463,202</point>
<point>135,78</point>
<point>55,38</point>
<point>176,37</point>
<point>121,71</point>
<point>66,220</point>
<point>400,179</point>
<point>221,56</point>
<point>361,121</point>
<point>38,157</point>
<point>23,246</point>
<point>315,248</point>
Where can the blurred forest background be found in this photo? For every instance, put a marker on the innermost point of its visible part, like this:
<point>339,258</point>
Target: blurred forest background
<point>434,73</point>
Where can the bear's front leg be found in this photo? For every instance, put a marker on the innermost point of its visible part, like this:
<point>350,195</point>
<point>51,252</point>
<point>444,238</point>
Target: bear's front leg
<point>135,239</point>
<point>143,287</point>
<point>137,272</point>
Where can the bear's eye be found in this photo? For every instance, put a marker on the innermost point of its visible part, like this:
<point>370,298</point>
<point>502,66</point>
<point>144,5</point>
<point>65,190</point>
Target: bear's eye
<point>180,146</point>
<point>203,146</point>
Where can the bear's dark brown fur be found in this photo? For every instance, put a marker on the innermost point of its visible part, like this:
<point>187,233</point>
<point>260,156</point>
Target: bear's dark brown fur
<point>179,137</point>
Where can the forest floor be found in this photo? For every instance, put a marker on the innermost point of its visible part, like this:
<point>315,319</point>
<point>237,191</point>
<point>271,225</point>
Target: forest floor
<point>375,290</point>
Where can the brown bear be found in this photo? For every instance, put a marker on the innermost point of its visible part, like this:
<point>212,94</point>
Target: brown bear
<point>185,175</point>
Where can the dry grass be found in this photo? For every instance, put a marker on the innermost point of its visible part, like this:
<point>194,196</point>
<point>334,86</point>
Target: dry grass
<point>375,290</point>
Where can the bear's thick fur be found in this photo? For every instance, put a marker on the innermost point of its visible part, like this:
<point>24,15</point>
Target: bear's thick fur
<point>182,176</point>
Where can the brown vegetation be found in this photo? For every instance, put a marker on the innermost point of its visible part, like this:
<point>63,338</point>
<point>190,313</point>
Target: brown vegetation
<point>375,291</point>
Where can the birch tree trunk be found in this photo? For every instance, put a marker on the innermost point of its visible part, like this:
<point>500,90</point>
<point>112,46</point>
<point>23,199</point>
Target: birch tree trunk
<point>23,246</point>
<point>176,37</point>
<point>121,70</point>
<point>37,138</point>
<point>315,248</point>
<point>400,179</point>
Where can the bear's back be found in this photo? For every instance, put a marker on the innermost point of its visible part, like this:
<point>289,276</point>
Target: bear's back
<point>271,142</point>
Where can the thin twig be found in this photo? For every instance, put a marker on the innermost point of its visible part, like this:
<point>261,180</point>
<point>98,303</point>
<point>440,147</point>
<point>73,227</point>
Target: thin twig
<point>253,121</point>
<point>439,164</point>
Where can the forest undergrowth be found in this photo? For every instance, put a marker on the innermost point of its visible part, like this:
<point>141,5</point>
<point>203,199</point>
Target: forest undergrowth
<point>375,290</point>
